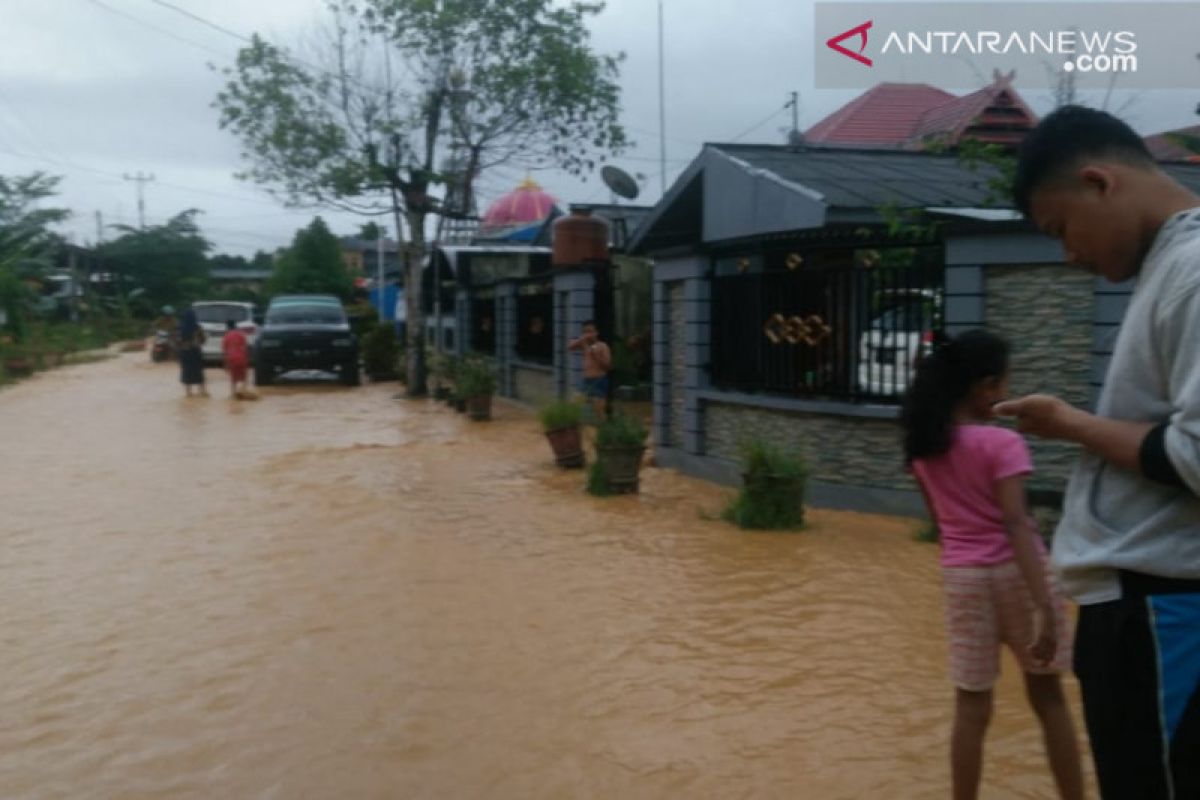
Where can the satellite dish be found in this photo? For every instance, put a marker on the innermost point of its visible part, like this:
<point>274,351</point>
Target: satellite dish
<point>620,181</point>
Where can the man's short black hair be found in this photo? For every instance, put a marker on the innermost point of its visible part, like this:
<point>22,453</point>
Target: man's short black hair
<point>230,324</point>
<point>1064,138</point>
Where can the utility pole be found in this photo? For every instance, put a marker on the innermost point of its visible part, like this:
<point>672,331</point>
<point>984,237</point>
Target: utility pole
<point>795,138</point>
<point>141,181</point>
<point>380,232</point>
<point>662,105</point>
<point>99,229</point>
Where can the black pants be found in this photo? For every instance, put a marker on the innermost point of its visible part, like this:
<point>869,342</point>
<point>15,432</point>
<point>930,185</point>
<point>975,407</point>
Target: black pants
<point>1138,662</point>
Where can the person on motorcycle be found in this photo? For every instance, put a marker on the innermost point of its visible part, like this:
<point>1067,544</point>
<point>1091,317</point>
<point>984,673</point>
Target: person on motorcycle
<point>166,334</point>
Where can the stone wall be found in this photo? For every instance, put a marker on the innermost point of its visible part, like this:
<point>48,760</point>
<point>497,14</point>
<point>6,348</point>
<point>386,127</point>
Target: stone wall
<point>1045,311</point>
<point>533,385</point>
<point>678,362</point>
<point>842,450</point>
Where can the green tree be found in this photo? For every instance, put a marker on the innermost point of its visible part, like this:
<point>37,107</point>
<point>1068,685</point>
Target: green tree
<point>370,232</point>
<point>160,265</point>
<point>405,86</point>
<point>312,265</point>
<point>26,241</point>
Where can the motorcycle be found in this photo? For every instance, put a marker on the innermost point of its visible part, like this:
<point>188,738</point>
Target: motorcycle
<point>162,348</point>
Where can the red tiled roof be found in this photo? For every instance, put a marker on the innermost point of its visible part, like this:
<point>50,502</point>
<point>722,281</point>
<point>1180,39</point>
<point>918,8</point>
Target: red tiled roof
<point>886,115</point>
<point>1165,147</point>
<point>903,115</point>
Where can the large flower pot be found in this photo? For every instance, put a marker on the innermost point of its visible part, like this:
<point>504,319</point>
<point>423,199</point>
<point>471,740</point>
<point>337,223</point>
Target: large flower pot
<point>621,466</point>
<point>480,408</point>
<point>567,446</point>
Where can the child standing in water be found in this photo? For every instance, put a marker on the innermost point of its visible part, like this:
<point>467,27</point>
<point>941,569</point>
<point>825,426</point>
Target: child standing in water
<point>997,586</point>
<point>237,359</point>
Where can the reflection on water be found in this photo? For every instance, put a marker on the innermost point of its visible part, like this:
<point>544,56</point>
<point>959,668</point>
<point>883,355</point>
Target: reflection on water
<point>330,593</point>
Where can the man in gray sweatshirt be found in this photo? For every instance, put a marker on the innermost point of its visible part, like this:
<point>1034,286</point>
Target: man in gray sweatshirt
<point>1128,547</point>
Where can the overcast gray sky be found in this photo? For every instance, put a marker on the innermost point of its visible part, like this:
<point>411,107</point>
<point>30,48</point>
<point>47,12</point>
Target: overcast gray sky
<point>97,89</point>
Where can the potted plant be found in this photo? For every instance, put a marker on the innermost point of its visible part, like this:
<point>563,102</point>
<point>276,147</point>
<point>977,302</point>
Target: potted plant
<point>381,352</point>
<point>476,385</point>
<point>620,445</point>
<point>560,422</point>
<point>773,483</point>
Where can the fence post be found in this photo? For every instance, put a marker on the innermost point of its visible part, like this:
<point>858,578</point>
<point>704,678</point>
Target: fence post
<point>697,315</point>
<point>462,322</point>
<point>506,336</point>
<point>574,303</point>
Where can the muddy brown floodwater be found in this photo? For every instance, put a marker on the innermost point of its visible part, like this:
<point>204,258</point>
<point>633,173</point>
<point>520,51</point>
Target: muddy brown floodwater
<point>334,594</point>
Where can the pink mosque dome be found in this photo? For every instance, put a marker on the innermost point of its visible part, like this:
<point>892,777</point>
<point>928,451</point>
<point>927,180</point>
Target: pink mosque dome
<point>525,205</point>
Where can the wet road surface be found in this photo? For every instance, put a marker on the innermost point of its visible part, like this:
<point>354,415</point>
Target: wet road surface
<point>333,594</point>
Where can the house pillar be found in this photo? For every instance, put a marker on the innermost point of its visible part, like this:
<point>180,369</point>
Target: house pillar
<point>574,304</point>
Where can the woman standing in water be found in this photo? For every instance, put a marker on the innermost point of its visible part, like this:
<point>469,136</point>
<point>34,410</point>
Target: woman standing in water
<point>998,590</point>
<point>191,359</point>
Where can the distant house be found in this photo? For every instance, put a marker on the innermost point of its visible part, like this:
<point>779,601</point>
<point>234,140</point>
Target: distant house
<point>239,277</point>
<point>914,116</point>
<point>361,257</point>
<point>917,116</point>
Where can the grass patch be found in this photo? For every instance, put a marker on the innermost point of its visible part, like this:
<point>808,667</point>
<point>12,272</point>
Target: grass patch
<point>89,357</point>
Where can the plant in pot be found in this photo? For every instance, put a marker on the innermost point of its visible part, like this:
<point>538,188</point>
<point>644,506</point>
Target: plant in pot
<point>477,384</point>
<point>620,445</point>
<point>381,353</point>
<point>773,483</point>
<point>560,422</point>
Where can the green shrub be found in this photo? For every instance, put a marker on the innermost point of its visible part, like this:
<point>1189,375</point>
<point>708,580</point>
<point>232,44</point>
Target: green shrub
<point>560,414</point>
<point>381,351</point>
<point>928,533</point>
<point>621,431</point>
<point>772,495</point>
<point>475,378</point>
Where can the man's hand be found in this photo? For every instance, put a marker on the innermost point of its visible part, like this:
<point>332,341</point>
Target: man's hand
<point>1043,416</point>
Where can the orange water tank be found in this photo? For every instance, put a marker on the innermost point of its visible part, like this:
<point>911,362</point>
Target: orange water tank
<point>579,238</point>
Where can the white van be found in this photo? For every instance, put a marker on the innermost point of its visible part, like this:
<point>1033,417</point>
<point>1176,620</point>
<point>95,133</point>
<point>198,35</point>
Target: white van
<point>212,317</point>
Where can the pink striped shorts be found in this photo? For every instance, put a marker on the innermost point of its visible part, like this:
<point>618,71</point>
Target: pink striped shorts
<point>987,606</point>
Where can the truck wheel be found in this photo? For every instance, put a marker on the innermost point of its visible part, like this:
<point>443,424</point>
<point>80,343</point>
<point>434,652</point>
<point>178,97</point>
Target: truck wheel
<point>264,374</point>
<point>349,373</point>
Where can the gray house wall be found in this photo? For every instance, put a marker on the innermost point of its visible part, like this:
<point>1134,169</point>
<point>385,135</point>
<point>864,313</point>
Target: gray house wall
<point>1012,283</point>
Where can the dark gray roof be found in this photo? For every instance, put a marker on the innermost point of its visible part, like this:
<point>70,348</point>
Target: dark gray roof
<point>853,179</point>
<point>848,185</point>
<point>858,178</point>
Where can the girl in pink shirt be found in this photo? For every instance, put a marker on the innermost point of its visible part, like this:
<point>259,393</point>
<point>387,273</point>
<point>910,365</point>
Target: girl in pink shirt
<point>997,585</point>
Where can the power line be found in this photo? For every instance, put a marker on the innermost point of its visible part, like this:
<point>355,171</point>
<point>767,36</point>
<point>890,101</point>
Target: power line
<point>758,125</point>
<point>202,20</point>
<point>118,12</point>
<point>118,176</point>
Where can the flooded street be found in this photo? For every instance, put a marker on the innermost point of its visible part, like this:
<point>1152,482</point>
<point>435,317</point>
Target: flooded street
<point>333,594</point>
